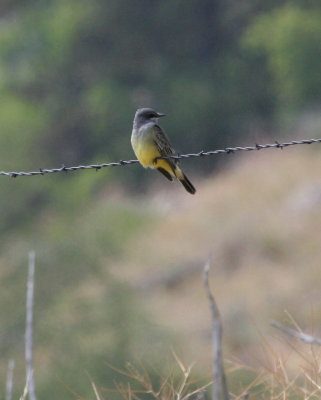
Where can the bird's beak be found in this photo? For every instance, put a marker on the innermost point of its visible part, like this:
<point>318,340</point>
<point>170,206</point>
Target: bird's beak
<point>160,115</point>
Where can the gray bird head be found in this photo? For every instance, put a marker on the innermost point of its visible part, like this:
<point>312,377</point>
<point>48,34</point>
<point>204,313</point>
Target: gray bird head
<point>144,115</point>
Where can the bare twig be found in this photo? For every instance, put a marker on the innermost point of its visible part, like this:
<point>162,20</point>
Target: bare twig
<point>25,390</point>
<point>9,384</point>
<point>299,335</point>
<point>186,373</point>
<point>220,385</point>
<point>29,328</point>
<point>97,394</point>
<point>312,381</point>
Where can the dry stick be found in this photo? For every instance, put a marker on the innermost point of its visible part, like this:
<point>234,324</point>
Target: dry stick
<point>25,392</point>
<point>220,385</point>
<point>302,336</point>
<point>29,328</point>
<point>9,384</point>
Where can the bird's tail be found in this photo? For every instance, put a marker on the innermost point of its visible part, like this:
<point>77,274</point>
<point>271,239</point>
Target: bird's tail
<point>184,180</point>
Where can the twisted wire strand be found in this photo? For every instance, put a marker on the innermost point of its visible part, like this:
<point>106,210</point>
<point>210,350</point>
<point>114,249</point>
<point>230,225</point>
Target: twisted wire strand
<point>121,163</point>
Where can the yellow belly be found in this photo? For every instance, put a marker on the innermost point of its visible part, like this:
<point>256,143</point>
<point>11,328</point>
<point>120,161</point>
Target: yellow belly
<point>146,154</point>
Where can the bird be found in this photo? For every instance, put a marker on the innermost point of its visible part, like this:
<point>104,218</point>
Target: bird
<point>149,142</point>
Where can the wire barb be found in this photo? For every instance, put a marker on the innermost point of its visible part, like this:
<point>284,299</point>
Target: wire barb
<point>278,145</point>
<point>202,153</point>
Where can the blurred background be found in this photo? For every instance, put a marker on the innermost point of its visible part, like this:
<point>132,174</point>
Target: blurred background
<point>119,252</point>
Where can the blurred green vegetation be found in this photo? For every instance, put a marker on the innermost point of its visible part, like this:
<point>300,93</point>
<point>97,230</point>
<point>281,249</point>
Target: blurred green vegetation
<point>84,316</point>
<point>290,38</point>
<point>72,74</point>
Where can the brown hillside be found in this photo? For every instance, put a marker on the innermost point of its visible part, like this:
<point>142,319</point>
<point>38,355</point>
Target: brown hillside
<point>261,220</point>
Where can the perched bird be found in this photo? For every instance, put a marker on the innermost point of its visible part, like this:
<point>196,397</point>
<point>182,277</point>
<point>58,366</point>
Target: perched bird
<point>149,141</point>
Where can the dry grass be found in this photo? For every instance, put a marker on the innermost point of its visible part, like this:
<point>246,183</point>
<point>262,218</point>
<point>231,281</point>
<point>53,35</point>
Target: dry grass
<point>293,373</point>
<point>278,374</point>
<point>178,384</point>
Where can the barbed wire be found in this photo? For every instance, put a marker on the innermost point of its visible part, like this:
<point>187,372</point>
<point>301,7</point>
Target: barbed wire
<point>121,163</point>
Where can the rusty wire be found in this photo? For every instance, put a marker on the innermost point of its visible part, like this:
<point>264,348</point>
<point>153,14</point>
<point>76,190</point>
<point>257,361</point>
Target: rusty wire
<point>227,150</point>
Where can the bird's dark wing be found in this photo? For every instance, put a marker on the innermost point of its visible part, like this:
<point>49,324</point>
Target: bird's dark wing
<point>164,146</point>
<point>162,142</point>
